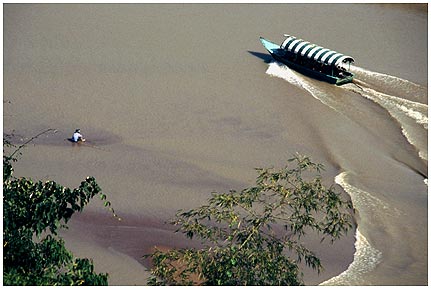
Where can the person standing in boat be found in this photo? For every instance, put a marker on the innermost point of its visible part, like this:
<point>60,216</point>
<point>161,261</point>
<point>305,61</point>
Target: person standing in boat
<point>77,136</point>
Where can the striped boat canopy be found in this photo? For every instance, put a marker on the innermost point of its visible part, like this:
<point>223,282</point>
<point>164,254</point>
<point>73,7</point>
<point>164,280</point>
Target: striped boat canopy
<point>314,52</point>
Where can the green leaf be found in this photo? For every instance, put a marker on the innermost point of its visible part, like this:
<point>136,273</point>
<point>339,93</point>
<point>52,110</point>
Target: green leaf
<point>30,209</point>
<point>242,229</point>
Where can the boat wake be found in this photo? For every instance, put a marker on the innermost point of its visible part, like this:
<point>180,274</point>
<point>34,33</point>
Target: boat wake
<point>365,260</point>
<point>366,257</point>
<point>395,85</point>
<point>411,115</point>
<point>402,99</point>
<point>406,102</point>
<point>284,72</point>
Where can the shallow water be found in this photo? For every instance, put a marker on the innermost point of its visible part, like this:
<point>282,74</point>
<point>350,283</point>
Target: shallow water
<point>179,100</point>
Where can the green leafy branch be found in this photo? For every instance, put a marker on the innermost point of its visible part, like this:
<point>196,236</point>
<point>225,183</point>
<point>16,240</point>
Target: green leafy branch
<point>253,237</point>
<point>33,212</point>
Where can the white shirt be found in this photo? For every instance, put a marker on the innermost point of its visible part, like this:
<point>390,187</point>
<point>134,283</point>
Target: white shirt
<point>76,136</point>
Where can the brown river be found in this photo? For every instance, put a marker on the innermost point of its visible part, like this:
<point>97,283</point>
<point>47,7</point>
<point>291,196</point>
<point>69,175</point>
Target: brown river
<point>180,100</point>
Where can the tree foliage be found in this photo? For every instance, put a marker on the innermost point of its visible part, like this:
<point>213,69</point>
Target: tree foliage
<point>33,212</point>
<point>253,237</point>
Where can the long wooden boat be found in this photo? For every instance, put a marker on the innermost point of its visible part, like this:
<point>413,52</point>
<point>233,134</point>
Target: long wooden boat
<point>311,60</point>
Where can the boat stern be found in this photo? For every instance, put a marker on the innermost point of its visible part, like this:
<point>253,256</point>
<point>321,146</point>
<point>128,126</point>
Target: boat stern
<point>348,79</point>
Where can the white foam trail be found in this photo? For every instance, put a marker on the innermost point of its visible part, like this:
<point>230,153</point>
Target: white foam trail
<point>404,86</point>
<point>403,111</point>
<point>364,254</point>
<point>365,201</point>
<point>408,113</point>
<point>415,110</point>
<point>366,257</point>
<point>284,72</point>
<point>274,69</point>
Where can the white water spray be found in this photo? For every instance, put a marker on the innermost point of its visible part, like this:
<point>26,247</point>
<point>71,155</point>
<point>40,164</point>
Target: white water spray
<point>408,113</point>
<point>413,119</point>
<point>366,257</point>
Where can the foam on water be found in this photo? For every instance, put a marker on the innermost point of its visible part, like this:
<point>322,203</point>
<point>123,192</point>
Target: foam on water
<point>366,257</point>
<point>406,112</point>
<point>403,86</point>
<point>284,72</point>
<point>409,114</point>
<point>412,117</point>
<point>364,254</point>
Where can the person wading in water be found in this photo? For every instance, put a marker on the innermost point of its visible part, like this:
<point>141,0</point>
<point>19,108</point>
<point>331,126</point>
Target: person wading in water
<point>77,136</point>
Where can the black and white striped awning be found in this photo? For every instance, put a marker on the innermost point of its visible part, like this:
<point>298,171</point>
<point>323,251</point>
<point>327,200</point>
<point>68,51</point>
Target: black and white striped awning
<point>312,51</point>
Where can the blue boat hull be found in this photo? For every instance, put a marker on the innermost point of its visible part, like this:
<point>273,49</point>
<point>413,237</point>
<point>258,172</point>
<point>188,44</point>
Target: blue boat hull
<point>278,54</point>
